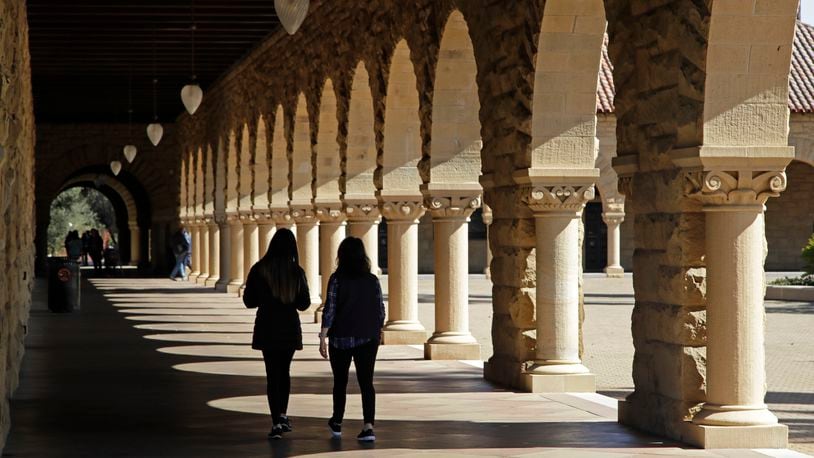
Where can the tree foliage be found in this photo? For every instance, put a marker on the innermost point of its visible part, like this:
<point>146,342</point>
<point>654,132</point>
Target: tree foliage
<point>78,209</point>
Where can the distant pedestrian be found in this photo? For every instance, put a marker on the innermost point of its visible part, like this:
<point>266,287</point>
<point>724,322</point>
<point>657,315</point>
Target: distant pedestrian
<point>277,287</point>
<point>73,246</point>
<point>352,322</point>
<point>181,245</point>
<point>95,249</point>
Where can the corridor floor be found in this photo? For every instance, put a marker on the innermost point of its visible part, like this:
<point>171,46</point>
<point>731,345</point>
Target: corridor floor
<point>158,368</point>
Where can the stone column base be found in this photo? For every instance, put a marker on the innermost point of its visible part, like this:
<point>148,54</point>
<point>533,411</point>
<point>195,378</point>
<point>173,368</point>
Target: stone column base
<point>452,351</point>
<point>308,315</point>
<point>233,288</point>
<point>765,436</point>
<point>240,290</point>
<point>614,272</point>
<point>193,277</point>
<point>404,337</point>
<point>211,281</point>
<point>201,280</point>
<point>559,383</point>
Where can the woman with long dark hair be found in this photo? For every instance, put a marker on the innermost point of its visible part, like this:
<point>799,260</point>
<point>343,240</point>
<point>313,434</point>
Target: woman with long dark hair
<point>277,287</point>
<point>352,321</point>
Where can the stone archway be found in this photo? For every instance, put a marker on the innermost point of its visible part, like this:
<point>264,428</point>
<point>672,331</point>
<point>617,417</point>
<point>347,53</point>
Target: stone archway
<point>790,219</point>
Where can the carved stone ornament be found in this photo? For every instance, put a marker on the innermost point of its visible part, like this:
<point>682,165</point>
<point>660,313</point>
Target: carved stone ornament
<point>263,217</point>
<point>331,214</point>
<point>282,217</point>
<point>452,206</point>
<point>220,219</point>
<point>566,198</point>
<point>303,215</point>
<point>402,210</point>
<point>736,188</point>
<point>624,185</point>
<point>362,211</point>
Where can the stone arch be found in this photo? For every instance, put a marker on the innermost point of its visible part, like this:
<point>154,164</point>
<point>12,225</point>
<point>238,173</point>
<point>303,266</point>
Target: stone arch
<point>566,74</point>
<point>402,128</point>
<point>231,184</point>
<point>328,169</point>
<point>279,163</point>
<point>360,157</point>
<point>262,179</point>
<point>200,181</point>
<point>246,170</point>
<point>746,91</point>
<point>301,190</point>
<point>456,138</point>
<point>88,179</point>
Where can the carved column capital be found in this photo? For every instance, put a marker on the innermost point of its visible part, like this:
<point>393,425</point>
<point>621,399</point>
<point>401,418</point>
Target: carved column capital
<point>282,216</point>
<point>246,217</point>
<point>220,219</point>
<point>330,213</point>
<point>488,216</point>
<point>613,219</point>
<point>263,217</point>
<point>304,215</point>
<point>233,218</point>
<point>558,198</point>
<point>402,210</point>
<point>734,188</point>
<point>452,204</point>
<point>362,210</point>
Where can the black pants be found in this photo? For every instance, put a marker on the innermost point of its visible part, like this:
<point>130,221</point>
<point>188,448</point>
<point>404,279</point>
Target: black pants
<point>278,379</point>
<point>364,359</point>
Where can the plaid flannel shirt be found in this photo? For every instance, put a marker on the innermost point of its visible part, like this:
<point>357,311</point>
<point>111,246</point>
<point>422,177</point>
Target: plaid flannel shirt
<point>329,312</point>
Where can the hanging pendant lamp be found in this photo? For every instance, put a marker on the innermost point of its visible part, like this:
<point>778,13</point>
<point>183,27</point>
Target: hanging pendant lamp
<point>291,13</point>
<point>191,94</point>
<point>115,167</point>
<point>154,132</point>
<point>130,153</point>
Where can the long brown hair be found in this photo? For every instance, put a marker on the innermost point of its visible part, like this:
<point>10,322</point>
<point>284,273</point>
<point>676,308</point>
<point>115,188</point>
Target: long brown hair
<point>280,267</point>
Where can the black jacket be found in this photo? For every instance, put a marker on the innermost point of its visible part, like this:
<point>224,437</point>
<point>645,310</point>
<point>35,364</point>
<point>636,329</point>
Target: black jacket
<point>358,307</point>
<point>277,324</point>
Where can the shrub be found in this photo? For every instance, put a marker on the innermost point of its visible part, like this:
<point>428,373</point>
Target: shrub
<point>808,257</point>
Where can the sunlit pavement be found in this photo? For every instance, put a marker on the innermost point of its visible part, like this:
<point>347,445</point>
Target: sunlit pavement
<point>163,368</point>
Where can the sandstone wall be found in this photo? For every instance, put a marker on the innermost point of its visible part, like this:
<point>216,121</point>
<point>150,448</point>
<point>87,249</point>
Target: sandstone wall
<point>790,219</point>
<point>16,198</point>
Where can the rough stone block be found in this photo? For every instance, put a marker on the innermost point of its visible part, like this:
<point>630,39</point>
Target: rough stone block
<point>570,383</point>
<point>404,337</point>
<point>452,351</point>
<point>767,436</point>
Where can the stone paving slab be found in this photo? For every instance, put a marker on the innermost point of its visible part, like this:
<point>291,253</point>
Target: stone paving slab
<point>99,383</point>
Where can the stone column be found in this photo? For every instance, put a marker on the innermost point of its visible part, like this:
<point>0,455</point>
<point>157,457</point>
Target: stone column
<point>265,231</point>
<point>236,255</point>
<point>402,327</point>
<point>195,233</point>
<point>283,220</point>
<point>450,217</point>
<point>735,412</point>
<point>203,229</point>
<point>558,215</point>
<point>308,247</point>
<point>214,253</point>
<point>251,246</point>
<point>613,221</point>
<point>487,221</point>
<point>135,244</point>
<point>331,233</point>
<point>363,222</point>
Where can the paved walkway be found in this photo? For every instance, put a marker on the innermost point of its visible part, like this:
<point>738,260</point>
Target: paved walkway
<point>159,368</point>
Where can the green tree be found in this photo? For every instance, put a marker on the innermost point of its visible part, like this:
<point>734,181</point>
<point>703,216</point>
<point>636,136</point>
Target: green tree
<point>70,211</point>
<point>808,257</point>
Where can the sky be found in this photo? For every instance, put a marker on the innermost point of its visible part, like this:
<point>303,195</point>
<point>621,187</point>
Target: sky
<point>807,11</point>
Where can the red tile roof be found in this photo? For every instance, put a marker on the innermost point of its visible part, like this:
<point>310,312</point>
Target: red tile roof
<point>801,76</point>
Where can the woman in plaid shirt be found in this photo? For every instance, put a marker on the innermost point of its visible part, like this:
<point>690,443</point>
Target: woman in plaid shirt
<point>352,321</point>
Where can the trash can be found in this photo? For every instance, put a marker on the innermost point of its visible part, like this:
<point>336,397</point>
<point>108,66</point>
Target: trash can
<point>63,285</point>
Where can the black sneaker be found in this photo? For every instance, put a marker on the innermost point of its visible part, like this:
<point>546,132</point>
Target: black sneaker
<point>285,423</point>
<point>336,428</point>
<point>276,432</point>
<point>366,435</point>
